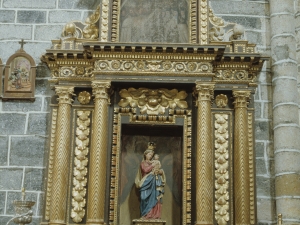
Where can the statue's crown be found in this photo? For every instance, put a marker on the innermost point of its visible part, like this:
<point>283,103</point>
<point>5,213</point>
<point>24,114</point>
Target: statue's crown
<point>151,145</point>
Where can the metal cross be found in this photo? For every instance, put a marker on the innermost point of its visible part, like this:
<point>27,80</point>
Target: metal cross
<point>22,42</point>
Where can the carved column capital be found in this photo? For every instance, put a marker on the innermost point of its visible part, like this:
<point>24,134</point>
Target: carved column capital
<point>101,89</point>
<point>241,98</point>
<point>205,91</point>
<point>65,94</point>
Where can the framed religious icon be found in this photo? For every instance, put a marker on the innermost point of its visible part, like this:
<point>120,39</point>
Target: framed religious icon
<point>143,21</point>
<point>19,80</point>
<point>1,78</point>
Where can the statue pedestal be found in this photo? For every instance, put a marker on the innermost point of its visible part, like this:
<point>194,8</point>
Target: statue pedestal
<point>149,222</point>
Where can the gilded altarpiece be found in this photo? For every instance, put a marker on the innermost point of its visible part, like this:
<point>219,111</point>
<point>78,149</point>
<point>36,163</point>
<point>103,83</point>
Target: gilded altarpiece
<point>116,104</point>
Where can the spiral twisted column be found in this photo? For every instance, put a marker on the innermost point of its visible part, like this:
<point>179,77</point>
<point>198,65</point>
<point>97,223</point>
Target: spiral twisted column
<point>204,155</point>
<point>241,158</point>
<point>61,156</point>
<point>99,142</point>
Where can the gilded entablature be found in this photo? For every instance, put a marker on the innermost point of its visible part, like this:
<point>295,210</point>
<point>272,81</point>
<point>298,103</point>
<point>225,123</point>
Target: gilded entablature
<point>191,61</point>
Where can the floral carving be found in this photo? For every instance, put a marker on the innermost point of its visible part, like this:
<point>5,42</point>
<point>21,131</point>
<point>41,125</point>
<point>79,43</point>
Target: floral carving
<point>80,166</point>
<point>221,101</point>
<point>221,169</point>
<point>153,101</point>
<point>84,97</point>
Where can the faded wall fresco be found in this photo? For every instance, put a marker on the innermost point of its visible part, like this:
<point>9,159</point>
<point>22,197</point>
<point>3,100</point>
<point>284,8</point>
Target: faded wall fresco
<point>154,21</point>
<point>170,153</point>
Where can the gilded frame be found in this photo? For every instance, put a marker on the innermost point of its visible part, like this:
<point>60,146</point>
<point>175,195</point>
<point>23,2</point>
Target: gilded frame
<point>192,20</point>
<point>186,153</point>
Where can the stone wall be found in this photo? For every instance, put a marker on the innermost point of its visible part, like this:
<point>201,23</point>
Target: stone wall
<point>254,16</point>
<point>24,125</point>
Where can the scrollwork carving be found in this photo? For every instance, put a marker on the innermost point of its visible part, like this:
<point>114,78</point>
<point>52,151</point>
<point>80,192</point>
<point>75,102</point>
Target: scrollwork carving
<point>234,75</point>
<point>91,31</point>
<point>221,169</point>
<point>73,71</point>
<point>221,30</point>
<point>86,30</point>
<point>153,101</point>
<point>80,166</point>
<point>153,66</point>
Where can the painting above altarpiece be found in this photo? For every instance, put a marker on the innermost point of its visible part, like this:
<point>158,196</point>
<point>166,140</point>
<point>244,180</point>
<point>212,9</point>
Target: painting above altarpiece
<point>158,21</point>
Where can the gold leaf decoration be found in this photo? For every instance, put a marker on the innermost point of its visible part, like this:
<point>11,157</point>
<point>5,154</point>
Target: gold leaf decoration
<point>221,169</point>
<point>153,101</point>
<point>84,97</point>
<point>80,166</point>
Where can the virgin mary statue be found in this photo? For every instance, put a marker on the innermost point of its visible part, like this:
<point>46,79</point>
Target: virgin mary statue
<point>150,180</point>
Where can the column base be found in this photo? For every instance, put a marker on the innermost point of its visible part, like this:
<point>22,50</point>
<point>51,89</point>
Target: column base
<point>57,222</point>
<point>95,222</point>
<point>203,223</point>
<point>149,222</point>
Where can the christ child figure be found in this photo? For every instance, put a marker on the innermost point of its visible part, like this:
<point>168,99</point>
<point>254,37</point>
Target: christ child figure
<point>159,181</point>
<point>156,163</point>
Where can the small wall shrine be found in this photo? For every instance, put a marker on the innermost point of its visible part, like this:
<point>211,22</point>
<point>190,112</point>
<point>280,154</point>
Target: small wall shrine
<point>19,80</point>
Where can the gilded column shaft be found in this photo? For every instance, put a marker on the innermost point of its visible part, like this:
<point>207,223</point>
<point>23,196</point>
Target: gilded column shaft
<point>204,156</point>
<point>97,170</point>
<point>61,157</point>
<point>241,158</point>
